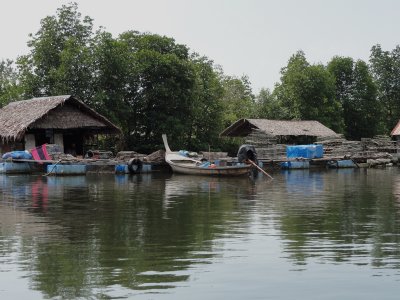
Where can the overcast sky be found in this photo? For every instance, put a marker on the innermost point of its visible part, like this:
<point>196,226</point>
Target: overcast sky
<point>246,37</point>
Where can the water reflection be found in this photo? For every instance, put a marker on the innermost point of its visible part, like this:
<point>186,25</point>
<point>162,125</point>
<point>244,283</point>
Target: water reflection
<point>303,181</point>
<point>115,230</point>
<point>114,236</point>
<point>341,221</point>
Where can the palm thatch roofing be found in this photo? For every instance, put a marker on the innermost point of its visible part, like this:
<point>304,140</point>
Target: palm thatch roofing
<point>243,127</point>
<point>48,112</point>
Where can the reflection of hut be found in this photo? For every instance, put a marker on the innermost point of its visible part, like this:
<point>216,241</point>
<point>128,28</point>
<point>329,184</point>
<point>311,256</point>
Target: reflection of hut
<point>61,120</point>
<point>270,137</point>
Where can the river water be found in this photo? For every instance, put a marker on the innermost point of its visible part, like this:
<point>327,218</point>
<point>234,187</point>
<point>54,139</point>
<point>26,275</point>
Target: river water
<point>304,235</point>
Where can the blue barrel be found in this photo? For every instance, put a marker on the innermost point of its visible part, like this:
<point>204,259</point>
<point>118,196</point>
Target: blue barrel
<point>121,169</point>
<point>347,163</point>
<point>295,164</point>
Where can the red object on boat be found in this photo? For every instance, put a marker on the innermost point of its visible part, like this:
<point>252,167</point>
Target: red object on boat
<point>40,153</point>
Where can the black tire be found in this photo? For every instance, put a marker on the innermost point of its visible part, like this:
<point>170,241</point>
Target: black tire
<point>135,166</point>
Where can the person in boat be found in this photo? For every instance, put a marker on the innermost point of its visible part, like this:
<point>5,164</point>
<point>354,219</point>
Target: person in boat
<point>246,153</point>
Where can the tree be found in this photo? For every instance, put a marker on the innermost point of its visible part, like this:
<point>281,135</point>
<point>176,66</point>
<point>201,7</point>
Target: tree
<point>207,106</point>
<point>307,92</point>
<point>268,106</point>
<point>9,87</point>
<point>161,88</point>
<point>342,69</point>
<point>145,83</point>
<point>356,92</point>
<point>385,66</point>
<point>238,99</point>
<point>59,59</point>
<point>289,89</point>
<point>363,110</point>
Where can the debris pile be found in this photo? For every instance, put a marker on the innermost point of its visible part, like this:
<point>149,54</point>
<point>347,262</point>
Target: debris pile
<point>267,146</point>
<point>339,146</point>
<point>155,157</point>
<point>125,156</point>
<point>379,143</point>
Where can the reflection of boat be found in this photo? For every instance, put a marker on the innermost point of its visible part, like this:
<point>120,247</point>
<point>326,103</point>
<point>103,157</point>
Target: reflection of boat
<point>187,165</point>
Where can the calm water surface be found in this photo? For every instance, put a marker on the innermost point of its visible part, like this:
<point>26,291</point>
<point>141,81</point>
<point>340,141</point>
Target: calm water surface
<point>305,235</point>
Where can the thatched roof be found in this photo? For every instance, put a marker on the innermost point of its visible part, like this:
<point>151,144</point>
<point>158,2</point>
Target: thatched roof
<point>243,127</point>
<point>19,116</point>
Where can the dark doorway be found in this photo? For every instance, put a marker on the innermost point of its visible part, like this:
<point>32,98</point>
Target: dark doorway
<point>73,142</point>
<point>45,136</point>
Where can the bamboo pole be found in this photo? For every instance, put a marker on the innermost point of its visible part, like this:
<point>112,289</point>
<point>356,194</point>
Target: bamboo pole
<point>254,164</point>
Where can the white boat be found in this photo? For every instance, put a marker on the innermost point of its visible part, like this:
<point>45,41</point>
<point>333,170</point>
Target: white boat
<point>191,166</point>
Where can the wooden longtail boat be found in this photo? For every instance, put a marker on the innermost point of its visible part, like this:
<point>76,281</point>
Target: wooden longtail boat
<point>190,166</point>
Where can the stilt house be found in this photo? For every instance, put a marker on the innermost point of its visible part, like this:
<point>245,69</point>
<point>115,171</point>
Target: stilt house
<point>270,137</point>
<point>62,120</point>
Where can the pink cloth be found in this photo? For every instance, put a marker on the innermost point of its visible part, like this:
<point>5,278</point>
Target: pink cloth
<point>40,153</point>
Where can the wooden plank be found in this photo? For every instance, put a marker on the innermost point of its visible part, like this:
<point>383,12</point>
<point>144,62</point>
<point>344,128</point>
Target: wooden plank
<point>33,161</point>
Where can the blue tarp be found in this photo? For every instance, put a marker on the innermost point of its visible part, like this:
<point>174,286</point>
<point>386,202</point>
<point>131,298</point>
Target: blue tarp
<point>305,151</point>
<point>17,155</point>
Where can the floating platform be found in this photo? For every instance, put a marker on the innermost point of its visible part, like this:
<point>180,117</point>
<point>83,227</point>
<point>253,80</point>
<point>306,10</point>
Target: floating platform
<point>79,167</point>
<point>83,169</point>
<point>9,167</point>
<point>60,169</point>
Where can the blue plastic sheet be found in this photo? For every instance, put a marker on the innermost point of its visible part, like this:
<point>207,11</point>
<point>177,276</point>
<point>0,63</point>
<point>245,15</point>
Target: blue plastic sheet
<point>305,151</point>
<point>17,155</point>
<point>184,153</point>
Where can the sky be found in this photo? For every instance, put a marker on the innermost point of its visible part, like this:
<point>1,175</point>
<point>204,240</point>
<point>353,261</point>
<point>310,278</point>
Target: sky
<point>255,38</point>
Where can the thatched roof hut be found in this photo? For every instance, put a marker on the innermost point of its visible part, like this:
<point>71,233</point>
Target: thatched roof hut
<point>58,112</point>
<point>243,127</point>
<point>270,137</point>
<point>63,118</point>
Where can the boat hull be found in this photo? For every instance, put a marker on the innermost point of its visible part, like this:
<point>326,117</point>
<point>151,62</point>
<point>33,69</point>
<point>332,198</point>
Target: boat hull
<point>218,171</point>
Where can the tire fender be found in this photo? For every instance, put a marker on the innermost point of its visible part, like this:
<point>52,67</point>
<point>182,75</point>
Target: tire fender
<point>135,165</point>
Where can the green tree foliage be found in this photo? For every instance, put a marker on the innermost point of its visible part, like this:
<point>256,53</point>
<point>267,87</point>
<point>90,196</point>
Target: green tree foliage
<point>59,59</point>
<point>356,92</point>
<point>145,83</point>
<point>268,106</point>
<point>9,87</point>
<point>161,85</point>
<point>364,113</point>
<point>206,123</point>
<point>385,66</point>
<point>307,92</point>
<point>238,98</point>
